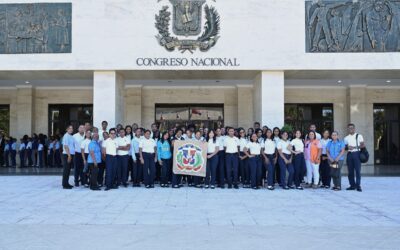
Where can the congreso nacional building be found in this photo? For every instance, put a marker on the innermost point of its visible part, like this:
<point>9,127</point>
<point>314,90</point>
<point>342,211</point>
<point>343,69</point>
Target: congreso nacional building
<point>206,62</point>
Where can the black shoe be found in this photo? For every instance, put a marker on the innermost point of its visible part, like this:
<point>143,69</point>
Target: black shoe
<point>285,188</point>
<point>236,186</point>
<point>125,184</point>
<point>222,186</point>
<point>292,187</point>
<point>299,188</point>
<point>115,187</point>
<point>359,189</point>
<point>351,188</point>
<point>229,186</point>
<point>212,187</point>
<point>270,188</point>
<point>67,187</point>
<point>147,186</point>
<point>255,188</point>
<point>95,189</point>
<point>107,189</point>
<point>76,184</point>
<point>151,186</point>
<point>175,186</point>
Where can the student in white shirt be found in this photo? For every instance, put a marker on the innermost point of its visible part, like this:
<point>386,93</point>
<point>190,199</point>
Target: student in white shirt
<point>85,153</point>
<point>177,178</point>
<point>198,137</point>
<point>102,165</point>
<point>148,158</point>
<point>277,138</point>
<point>221,158</point>
<point>354,143</point>
<point>110,152</point>
<point>253,152</point>
<point>124,145</point>
<point>244,168</point>
<point>231,145</point>
<point>324,165</point>
<point>285,161</point>
<point>78,164</point>
<point>270,157</point>
<point>137,166</point>
<point>22,147</point>
<point>297,148</point>
<point>212,159</point>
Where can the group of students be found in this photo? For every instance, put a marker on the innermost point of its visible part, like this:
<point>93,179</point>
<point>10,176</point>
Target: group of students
<point>36,151</point>
<point>236,157</point>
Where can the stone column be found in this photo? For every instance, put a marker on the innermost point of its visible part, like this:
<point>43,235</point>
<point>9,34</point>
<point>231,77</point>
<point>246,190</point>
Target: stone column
<point>245,106</point>
<point>24,111</point>
<point>269,98</point>
<point>108,98</point>
<point>361,114</point>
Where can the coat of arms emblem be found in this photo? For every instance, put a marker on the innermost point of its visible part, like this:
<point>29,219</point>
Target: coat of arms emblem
<point>189,158</point>
<point>187,22</point>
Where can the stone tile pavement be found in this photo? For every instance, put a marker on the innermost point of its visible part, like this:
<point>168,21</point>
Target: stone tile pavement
<point>35,213</point>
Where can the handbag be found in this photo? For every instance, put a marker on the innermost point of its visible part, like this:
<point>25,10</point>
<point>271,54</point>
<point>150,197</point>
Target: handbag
<point>334,165</point>
<point>364,155</point>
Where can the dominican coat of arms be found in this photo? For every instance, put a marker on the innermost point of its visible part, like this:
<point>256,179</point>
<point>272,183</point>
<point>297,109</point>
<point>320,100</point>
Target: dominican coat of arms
<point>187,22</point>
<point>190,158</point>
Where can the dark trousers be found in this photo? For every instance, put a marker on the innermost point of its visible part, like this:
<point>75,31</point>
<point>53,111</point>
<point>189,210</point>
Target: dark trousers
<point>7,158</point>
<point>78,169</point>
<point>149,168</point>
<point>1,157</point>
<point>50,158</point>
<point>271,170</point>
<point>244,170</point>
<point>22,158</point>
<point>283,167</point>
<point>57,158</point>
<point>278,171</point>
<point>111,167</point>
<point>67,169</point>
<point>354,165</point>
<point>211,170</point>
<point>165,169</point>
<point>176,179</point>
<point>29,156</point>
<point>255,170</point>
<point>232,167</point>
<point>40,162</point>
<point>337,175</point>
<point>325,172</point>
<point>130,168</point>
<point>137,170</point>
<point>94,171</point>
<point>13,158</point>
<point>122,169</point>
<point>299,164</point>
<point>100,175</point>
<point>221,167</point>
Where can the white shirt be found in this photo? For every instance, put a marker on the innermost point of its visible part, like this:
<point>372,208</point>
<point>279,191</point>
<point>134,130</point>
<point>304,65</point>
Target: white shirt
<point>254,148</point>
<point>231,144</point>
<point>324,143</point>
<point>29,145</point>
<point>111,146</point>
<point>269,147</point>
<point>78,140</point>
<point>21,146</point>
<point>284,146</point>
<point>101,138</point>
<point>122,142</point>
<point>220,141</point>
<point>147,145</point>
<point>85,145</point>
<point>350,141</point>
<point>211,146</point>
<point>261,140</point>
<point>298,145</point>
<point>242,143</point>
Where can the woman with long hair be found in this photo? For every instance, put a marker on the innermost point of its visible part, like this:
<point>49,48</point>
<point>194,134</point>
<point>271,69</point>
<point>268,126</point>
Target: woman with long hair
<point>244,168</point>
<point>253,152</point>
<point>297,148</point>
<point>285,161</point>
<point>313,151</point>
<point>270,157</point>
<point>164,156</point>
<point>212,159</point>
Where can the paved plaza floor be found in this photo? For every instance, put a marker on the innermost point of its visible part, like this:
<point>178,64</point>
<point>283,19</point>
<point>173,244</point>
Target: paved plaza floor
<point>35,213</point>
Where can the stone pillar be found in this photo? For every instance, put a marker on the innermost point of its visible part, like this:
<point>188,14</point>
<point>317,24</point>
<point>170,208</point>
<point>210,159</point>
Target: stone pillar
<point>245,106</point>
<point>108,98</point>
<point>361,114</point>
<point>269,98</point>
<point>24,111</point>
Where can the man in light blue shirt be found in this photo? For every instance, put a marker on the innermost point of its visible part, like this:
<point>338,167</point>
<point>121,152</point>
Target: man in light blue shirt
<point>68,156</point>
<point>137,166</point>
<point>94,158</point>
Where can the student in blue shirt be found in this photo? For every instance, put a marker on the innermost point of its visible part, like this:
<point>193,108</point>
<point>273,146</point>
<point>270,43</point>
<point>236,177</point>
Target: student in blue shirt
<point>57,152</point>
<point>50,155</point>
<point>22,147</point>
<point>94,158</point>
<point>40,153</point>
<point>164,157</point>
<point>335,150</point>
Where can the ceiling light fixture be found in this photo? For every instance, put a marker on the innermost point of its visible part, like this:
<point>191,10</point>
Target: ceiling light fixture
<point>27,82</point>
<point>339,81</point>
<point>388,81</point>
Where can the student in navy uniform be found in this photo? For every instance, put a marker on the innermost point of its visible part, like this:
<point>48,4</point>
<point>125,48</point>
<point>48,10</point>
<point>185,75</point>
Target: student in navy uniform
<point>68,156</point>
<point>129,135</point>
<point>270,157</point>
<point>7,152</point>
<point>297,148</point>
<point>164,157</point>
<point>148,158</point>
<point>253,152</point>
<point>354,142</point>
<point>29,152</point>
<point>324,167</point>
<point>212,159</point>
<point>123,147</point>
<point>35,145</point>
<point>84,152</point>
<point>21,152</point>
<point>243,160</point>
<point>156,136</point>
<point>50,150</point>
<point>102,165</point>
<point>188,137</point>
<point>110,154</point>
<point>40,153</point>
<point>231,145</point>
<point>221,158</point>
<point>277,137</point>
<point>285,161</point>
<point>197,180</point>
<point>176,178</point>
<point>137,166</point>
<point>94,158</point>
<point>13,152</point>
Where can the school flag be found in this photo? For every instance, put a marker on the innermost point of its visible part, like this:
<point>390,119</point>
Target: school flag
<point>190,158</point>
